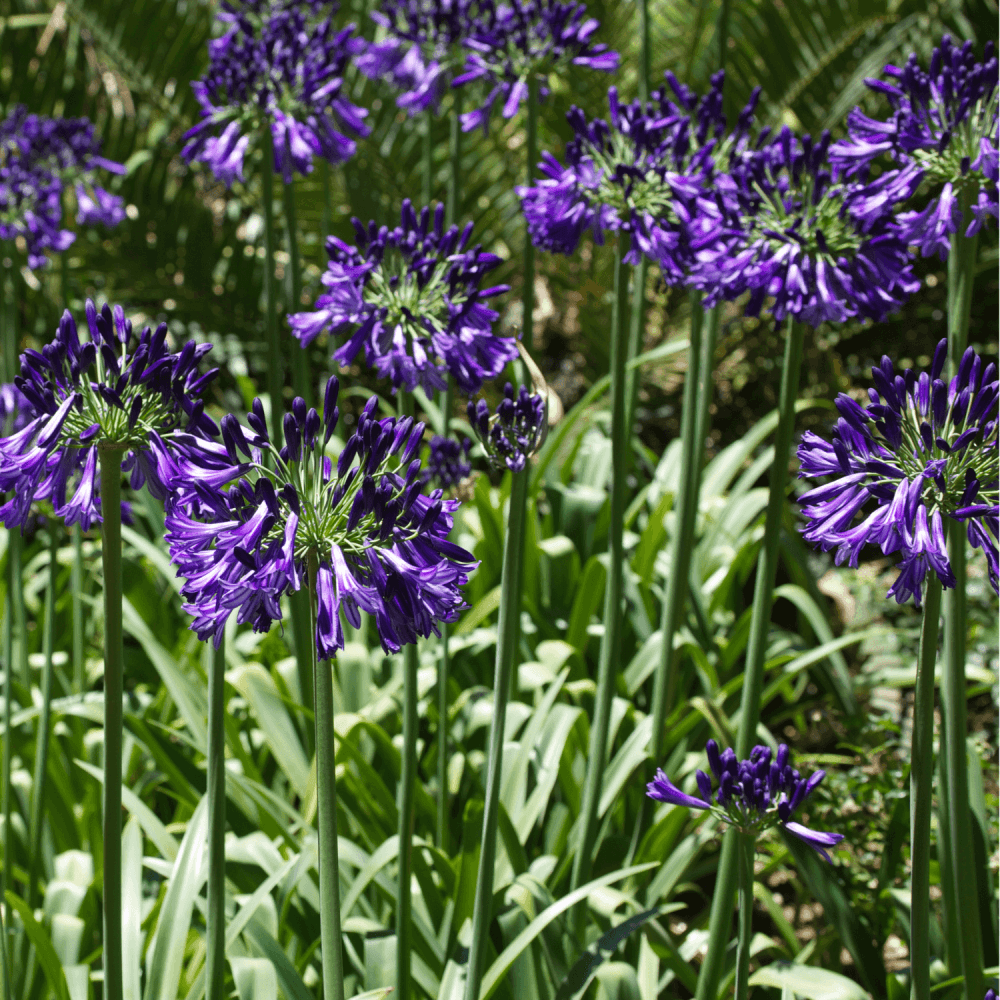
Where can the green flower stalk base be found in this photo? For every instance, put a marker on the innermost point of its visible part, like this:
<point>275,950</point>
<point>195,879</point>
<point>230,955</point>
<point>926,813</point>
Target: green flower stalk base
<point>746,849</point>
<point>405,805</point>
<point>753,676</point>
<point>507,631</point>
<point>215,943</point>
<point>111,552</point>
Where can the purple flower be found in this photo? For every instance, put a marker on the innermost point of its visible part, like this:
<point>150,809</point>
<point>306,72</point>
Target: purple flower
<point>944,122</point>
<point>377,543</point>
<point>447,463</point>
<point>103,394</point>
<point>649,174</point>
<point>411,297</point>
<point>515,431</point>
<point>921,451</point>
<point>753,795</point>
<point>279,66</point>
<point>805,244</point>
<point>513,42</point>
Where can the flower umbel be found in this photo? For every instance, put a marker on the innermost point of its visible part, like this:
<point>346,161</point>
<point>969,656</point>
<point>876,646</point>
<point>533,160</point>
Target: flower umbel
<point>108,392</point>
<point>921,451</point>
<point>377,542</point>
<point>411,297</point>
<point>448,462</point>
<point>753,795</point>
<point>515,431</point>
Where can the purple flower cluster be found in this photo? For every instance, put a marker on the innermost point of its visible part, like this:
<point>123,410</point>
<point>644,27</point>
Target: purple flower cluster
<point>515,431</point>
<point>650,174</point>
<point>806,244</point>
<point>447,463</point>
<point>411,297</point>
<point>519,40</point>
<point>944,121</point>
<point>922,450</point>
<point>753,795</point>
<point>360,524</point>
<point>422,43</point>
<point>279,65</point>
<point>102,394</point>
<point>39,158</point>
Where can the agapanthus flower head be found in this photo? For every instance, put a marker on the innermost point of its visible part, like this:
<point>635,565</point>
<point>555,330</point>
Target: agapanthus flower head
<point>944,121</point>
<point>359,521</point>
<point>114,392</point>
<point>280,66</point>
<point>921,451</point>
<point>447,462</point>
<point>515,431</point>
<point>514,42</point>
<point>648,173</point>
<point>421,46</point>
<point>412,298</point>
<point>753,795</point>
<point>805,243</point>
<point>39,157</point>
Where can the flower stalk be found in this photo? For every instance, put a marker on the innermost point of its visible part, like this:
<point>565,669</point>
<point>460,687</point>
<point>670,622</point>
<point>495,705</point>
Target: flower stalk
<point>746,849</point>
<point>76,588</point>
<point>531,144</point>
<point>111,553</point>
<point>405,805</point>
<point>753,676</point>
<point>300,362</point>
<point>215,936</point>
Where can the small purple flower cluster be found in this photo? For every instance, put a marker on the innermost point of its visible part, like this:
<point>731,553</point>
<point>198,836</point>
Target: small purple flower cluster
<point>39,158</point>
<point>753,795</point>
<point>519,40</point>
<point>411,297</point>
<point>100,394</point>
<point>361,524</point>
<point>922,450</point>
<point>280,66</point>
<point>447,462</point>
<point>515,431</point>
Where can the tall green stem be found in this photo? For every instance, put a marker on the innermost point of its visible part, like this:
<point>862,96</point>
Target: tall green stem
<point>326,790</point>
<point>746,849</point>
<point>76,588</point>
<point>528,292</point>
<point>921,795</point>
<point>444,667</point>
<point>507,629</point>
<point>300,357</point>
<point>6,873</point>
<point>327,213</point>
<point>643,6</point>
<point>44,721</point>
<point>635,333</point>
<point>111,553</point>
<point>275,364</point>
<point>215,943</point>
<point>405,805</point>
<point>961,278</point>
<point>710,336</point>
<point>609,660</point>
<point>753,675</point>
<point>454,161</point>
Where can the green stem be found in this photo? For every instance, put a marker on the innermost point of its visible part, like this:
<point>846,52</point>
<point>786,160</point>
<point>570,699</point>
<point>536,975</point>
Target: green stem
<point>15,552</point>
<point>444,667</point>
<point>76,588</point>
<point>454,161</point>
<point>722,32</point>
<point>753,676</point>
<point>644,50</point>
<point>215,943</point>
<point>921,795</point>
<point>7,872</point>
<point>275,365</point>
<point>528,292</point>
<point>746,849</point>
<point>111,552</point>
<point>427,158</point>
<point>635,336</point>
<point>300,357</point>
<point>961,279</point>
<point>510,610</point>
<point>326,790</point>
<point>44,722</point>
<point>405,805</point>
<point>710,336</point>
<point>327,214</point>
<point>610,655</point>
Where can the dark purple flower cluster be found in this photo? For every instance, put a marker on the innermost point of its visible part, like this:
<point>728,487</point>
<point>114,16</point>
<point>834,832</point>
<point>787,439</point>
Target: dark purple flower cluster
<point>447,463</point>
<point>650,174</point>
<point>280,66</point>
<point>39,157</point>
<point>422,43</point>
<point>806,244</point>
<point>516,431</point>
<point>103,394</point>
<point>945,122</point>
<point>512,42</point>
<point>922,450</point>
<point>411,297</point>
<point>361,525</point>
<point>753,795</point>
